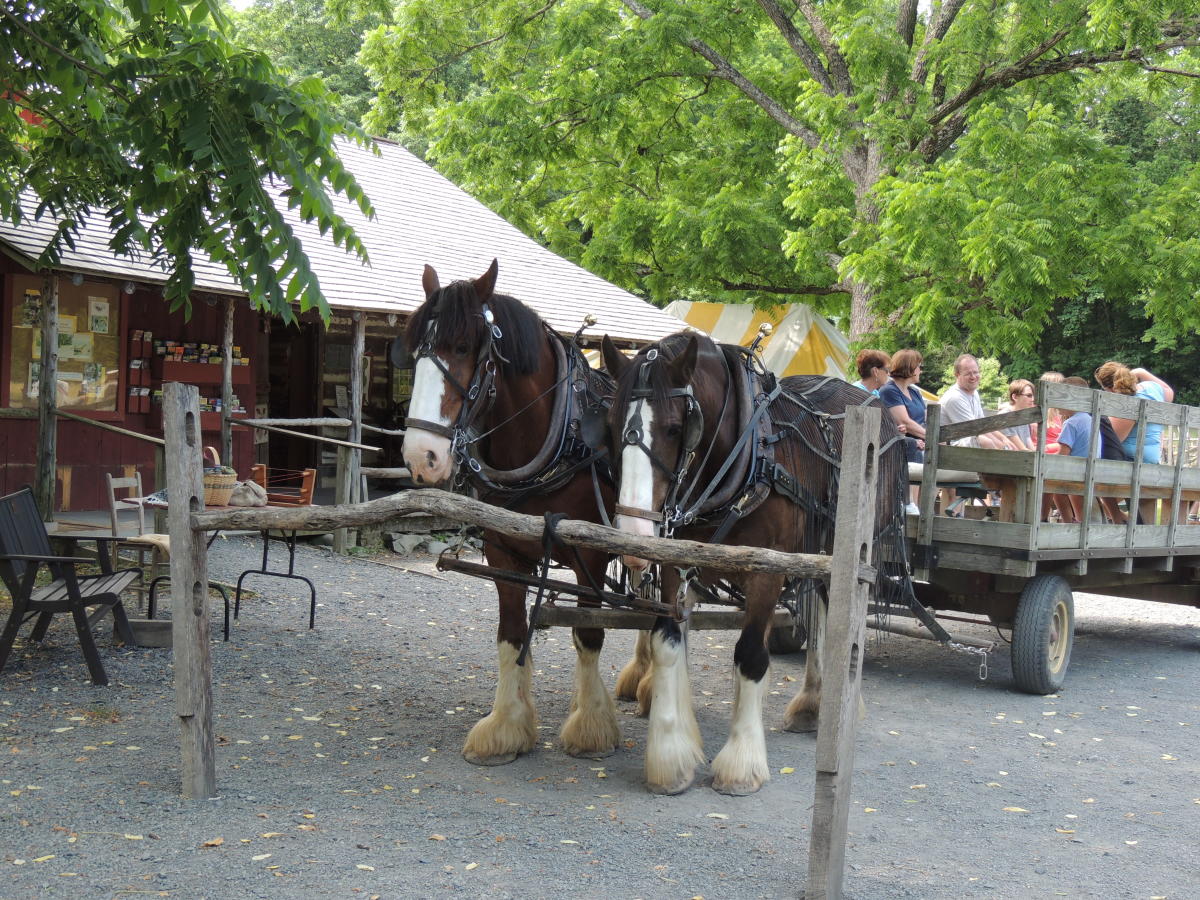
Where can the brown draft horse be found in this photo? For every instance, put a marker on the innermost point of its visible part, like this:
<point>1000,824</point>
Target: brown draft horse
<point>493,394</point>
<point>713,448</point>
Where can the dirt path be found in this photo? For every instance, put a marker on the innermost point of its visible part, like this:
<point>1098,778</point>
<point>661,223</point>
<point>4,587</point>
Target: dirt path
<point>340,774</point>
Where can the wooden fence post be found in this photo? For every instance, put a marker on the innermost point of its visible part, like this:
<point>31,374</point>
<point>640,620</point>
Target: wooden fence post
<point>842,651</point>
<point>341,496</point>
<point>189,590</point>
<point>227,385</point>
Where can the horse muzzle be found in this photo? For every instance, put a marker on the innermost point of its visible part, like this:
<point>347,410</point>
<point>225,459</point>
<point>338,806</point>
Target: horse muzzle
<point>636,526</point>
<point>428,458</point>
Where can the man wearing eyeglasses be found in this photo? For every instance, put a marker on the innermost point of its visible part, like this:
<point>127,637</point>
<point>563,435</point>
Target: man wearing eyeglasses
<point>961,403</point>
<point>1020,396</point>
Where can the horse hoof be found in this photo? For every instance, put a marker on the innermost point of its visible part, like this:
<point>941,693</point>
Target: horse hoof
<point>801,723</point>
<point>737,788</point>
<point>673,789</point>
<point>501,759</point>
<point>583,753</point>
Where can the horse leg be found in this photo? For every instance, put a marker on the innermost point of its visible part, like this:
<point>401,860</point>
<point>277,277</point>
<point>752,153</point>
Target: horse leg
<point>801,715</point>
<point>634,682</point>
<point>741,766</point>
<point>510,729</point>
<point>673,745</point>
<point>591,729</point>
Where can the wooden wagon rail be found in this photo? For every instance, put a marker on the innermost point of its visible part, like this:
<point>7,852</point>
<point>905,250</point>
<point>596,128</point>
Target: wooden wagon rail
<point>848,572</point>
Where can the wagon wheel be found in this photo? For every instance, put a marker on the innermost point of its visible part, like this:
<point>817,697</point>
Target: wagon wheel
<point>787,640</point>
<point>1043,634</point>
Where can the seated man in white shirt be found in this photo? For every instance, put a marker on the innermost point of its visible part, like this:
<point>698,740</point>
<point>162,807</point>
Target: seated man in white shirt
<point>961,403</point>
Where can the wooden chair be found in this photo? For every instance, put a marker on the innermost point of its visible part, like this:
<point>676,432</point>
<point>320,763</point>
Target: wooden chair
<point>284,487</point>
<point>143,542</point>
<point>24,547</point>
<point>158,546</point>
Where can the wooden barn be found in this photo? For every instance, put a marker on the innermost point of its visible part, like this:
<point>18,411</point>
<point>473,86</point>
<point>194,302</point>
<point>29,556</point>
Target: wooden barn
<point>118,342</point>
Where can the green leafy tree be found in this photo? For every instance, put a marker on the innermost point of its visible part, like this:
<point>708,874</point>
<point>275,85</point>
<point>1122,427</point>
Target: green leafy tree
<point>305,38</point>
<point>929,171</point>
<point>147,114</point>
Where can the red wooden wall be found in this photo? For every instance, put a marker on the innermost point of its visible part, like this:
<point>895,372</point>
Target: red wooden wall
<point>86,453</point>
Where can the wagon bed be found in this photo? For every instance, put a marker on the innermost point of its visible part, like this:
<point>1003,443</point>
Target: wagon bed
<point>1021,572</point>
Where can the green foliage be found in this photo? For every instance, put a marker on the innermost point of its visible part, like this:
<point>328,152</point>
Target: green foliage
<point>150,116</point>
<point>961,185</point>
<point>305,37</point>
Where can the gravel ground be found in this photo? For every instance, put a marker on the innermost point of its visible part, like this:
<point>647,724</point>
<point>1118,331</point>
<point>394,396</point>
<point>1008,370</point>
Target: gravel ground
<point>340,776</point>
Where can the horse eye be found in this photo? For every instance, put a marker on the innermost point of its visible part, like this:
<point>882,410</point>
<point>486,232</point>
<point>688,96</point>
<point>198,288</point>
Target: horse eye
<point>674,431</point>
<point>461,349</point>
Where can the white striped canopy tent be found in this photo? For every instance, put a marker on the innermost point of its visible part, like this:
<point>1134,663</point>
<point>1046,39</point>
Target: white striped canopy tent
<point>801,342</point>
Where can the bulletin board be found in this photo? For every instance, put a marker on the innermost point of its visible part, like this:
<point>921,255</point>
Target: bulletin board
<point>89,344</point>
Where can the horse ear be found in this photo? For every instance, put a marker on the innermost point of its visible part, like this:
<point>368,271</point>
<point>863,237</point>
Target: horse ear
<point>683,365</point>
<point>429,281</point>
<point>485,284</point>
<point>614,360</point>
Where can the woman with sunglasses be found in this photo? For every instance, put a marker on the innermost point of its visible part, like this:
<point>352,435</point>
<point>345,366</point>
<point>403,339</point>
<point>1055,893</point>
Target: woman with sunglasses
<point>1020,396</point>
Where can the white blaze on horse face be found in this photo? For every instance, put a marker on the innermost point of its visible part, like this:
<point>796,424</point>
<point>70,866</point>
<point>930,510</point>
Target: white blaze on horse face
<point>426,454</point>
<point>637,482</point>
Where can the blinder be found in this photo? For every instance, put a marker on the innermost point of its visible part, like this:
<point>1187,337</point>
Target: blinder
<point>482,384</point>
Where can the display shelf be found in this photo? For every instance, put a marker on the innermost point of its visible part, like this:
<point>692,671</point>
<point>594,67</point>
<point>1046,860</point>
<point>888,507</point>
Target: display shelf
<point>196,373</point>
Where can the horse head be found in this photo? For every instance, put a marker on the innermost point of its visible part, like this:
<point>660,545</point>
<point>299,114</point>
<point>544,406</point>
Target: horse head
<point>668,405</point>
<point>452,338</point>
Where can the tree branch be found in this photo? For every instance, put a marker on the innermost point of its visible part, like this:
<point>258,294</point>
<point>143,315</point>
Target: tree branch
<point>906,21</point>
<point>799,46</point>
<point>1167,71</point>
<point>725,70</point>
<point>940,139</point>
<point>936,32</point>
<point>833,55</point>
<point>1026,69</point>
<point>812,289</point>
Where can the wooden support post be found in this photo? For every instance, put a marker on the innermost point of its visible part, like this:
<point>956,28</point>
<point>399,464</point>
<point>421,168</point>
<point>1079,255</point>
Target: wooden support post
<point>189,590</point>
<point>842,652</point>
<point>341,495</point>
<point>227,385</point>
<point>358,349</point>
<point>47,441</point>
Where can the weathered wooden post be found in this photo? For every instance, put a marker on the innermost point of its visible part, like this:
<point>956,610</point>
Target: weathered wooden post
<point>47,445</point>
<point>341,495</point>
<point>358,349</point>
<point>842,651</point>
<point>189,590</point>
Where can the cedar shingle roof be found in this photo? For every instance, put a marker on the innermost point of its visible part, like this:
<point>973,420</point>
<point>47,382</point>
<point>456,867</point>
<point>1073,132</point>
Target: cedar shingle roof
<point>421,218</point>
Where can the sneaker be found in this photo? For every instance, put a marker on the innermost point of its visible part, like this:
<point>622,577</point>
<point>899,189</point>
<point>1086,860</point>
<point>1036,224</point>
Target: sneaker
<point>912,509</point>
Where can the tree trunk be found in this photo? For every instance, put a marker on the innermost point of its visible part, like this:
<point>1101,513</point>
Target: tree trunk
<point>45,479</point>
<point>864,169</point>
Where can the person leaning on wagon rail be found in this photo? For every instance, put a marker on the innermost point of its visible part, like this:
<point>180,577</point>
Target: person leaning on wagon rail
<point>1117,378</point>
<point>961,403</point>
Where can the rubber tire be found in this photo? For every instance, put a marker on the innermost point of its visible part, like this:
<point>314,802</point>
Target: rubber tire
<point>1043,635</point>
<point>784,641</point>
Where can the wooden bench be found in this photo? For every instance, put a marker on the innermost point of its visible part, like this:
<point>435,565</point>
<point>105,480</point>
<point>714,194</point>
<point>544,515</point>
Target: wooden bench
<point>24,547</point>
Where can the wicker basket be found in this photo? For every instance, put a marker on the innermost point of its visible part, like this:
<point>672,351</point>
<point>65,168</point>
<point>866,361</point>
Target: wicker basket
<point>217,484</point>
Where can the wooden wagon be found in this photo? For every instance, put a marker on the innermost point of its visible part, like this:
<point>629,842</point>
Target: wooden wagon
<point>1021,572</point>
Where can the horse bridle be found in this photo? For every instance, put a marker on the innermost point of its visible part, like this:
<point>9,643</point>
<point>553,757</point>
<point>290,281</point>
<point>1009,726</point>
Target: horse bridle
<point>482,384</point>
<point>633,435</point>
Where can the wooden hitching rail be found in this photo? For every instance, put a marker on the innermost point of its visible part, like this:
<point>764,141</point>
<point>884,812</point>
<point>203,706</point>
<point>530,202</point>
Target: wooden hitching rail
<point>849,572</point>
